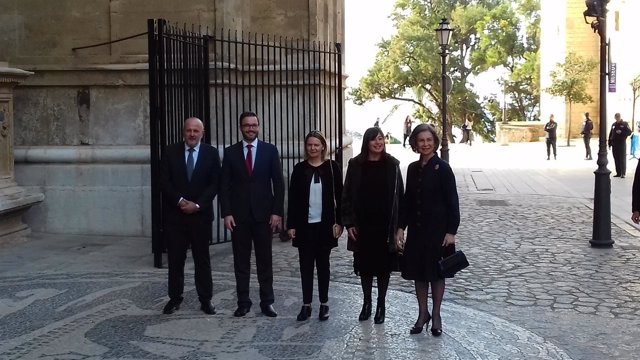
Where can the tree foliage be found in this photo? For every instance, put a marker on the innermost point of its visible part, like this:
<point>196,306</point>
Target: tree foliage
<point>569,80</point>
<point>487,34</point>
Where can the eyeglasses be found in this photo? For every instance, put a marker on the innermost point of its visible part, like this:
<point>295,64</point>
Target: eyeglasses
<point>250,126</point>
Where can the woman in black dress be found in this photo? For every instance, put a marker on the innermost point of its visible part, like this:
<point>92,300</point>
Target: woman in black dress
<point>315,192</point>
<point>372,193</point>
<point>431,210</point>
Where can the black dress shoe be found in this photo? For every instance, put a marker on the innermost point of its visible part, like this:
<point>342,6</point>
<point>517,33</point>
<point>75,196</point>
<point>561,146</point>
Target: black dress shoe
<point>304,314</point>
<point>323,313</point>
<point>616,175</point>
<point>379,317</point>
<point>242,311</point>
<point>365,313</point>
<point>171,307</point>
<point>622,176</point>
<point>436,332</point>
<point>268,310</point>
<point>207,308</point>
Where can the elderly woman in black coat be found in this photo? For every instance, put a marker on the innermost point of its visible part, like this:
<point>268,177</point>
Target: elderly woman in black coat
<point>431,211</point>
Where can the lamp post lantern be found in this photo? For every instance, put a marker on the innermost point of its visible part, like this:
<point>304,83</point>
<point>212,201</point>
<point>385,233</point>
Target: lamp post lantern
<point>602,189</point>
<point>444,37</point>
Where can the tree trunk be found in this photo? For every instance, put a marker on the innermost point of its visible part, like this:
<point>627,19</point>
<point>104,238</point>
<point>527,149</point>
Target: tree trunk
<point>569,127</point>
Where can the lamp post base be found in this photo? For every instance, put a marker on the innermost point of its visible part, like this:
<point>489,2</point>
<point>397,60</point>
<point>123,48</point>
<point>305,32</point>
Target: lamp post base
<point>601,237</point>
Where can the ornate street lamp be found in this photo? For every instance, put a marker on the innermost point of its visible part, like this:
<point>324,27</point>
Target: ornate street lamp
<point>597,9</point>
<point>444,37</point>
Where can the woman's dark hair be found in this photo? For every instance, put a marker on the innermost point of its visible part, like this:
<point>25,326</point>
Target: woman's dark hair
<point>413,138</point>
<point>369,135</point>
<point>318,135</point>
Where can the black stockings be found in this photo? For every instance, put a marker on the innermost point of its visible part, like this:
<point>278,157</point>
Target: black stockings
<point>367,283</point>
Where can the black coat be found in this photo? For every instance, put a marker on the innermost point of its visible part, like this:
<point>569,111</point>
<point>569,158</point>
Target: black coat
<point>431,210</point>
<point>298,205</point>
<point>351,195</point>
<point>202,188</point>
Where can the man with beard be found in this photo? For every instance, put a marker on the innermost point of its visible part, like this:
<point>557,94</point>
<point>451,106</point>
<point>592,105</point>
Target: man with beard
<point>252,205</point>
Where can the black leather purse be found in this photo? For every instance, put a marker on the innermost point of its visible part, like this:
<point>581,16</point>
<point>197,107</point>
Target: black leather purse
<point>452,263</point>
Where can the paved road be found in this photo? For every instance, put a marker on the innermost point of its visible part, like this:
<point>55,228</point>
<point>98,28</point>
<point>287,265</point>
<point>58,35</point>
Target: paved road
<point>535,288</point>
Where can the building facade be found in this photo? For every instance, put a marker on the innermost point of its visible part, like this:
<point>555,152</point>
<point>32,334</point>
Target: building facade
<point>82,119</point>
<point>563,30</point>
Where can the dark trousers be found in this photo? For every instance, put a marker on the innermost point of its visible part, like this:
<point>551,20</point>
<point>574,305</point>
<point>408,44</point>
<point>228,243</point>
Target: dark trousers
<point>404,141</point>
<point>551,143</point>
<point>587,145</point>
<point>179,237</point>
<point>313,253</point>
<point>619,157</point>
<point>243,236</point>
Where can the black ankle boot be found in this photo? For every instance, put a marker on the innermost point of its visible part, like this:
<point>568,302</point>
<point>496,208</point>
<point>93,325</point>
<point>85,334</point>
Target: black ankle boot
<point>323,313</point>
<point>304,314</point>
<point>365,313</point>
<point>379,317</point>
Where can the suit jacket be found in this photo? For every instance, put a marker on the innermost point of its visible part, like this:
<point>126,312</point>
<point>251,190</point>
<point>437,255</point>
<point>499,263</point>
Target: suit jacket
<point>202,188</point>
<point>255,197</point>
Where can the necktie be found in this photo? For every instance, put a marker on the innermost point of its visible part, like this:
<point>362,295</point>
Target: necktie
<point>190,163</point>
<point>249,160</point>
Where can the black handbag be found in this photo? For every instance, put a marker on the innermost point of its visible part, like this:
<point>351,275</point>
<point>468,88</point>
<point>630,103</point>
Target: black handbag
<point>453,263</point>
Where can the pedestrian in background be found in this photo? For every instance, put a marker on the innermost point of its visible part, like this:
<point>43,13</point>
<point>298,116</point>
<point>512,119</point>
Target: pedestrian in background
<point>466,130</point>
<point>315,196</point>
<point>189,181</point>
<point>550,129</point>
<point>618,143</point>
<point>431,211</point>
<point>252,205</point>
<point>408,124</point>
<point>587,129</point>
<point>372,192</point>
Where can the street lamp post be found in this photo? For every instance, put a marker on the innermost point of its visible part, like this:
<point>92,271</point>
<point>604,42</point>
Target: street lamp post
<point>444,37</point>
<point>602,190</point>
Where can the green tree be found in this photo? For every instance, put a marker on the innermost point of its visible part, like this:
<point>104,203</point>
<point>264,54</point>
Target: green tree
<point>407,66</point>
<point>569,80</point>
<point>635,87</point>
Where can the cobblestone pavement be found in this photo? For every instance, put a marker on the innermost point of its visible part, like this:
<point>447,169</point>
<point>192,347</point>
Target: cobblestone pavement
<point>535,288</point>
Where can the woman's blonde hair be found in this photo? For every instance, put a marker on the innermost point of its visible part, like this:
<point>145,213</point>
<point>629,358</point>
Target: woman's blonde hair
<point>318,135</point>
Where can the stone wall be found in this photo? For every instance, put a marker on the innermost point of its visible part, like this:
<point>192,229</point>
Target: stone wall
<point>82,119</point>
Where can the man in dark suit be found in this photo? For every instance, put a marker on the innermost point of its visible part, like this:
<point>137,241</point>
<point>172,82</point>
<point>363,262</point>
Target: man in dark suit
<point>252,205</point>
<point>618,142</point>
<point>189,179</point>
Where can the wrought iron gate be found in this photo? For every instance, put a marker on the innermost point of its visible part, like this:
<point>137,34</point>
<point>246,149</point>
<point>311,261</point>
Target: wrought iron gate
<point>178,89</point>
<point>294,86</point>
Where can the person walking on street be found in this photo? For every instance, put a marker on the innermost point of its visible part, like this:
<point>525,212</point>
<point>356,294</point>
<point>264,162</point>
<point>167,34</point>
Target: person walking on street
<point>408,124</point>
<point>371,196</point>
<point>466,130</point>
<point>315,196</point>
<point>551,128</point>
<point>252,205</point>
<point>189,176</point>
<point>431,210</point>
<point>618,143</point>
<point>587,129</point>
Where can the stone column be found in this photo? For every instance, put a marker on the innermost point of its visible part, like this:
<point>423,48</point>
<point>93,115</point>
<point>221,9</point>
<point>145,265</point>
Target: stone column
<point>14,201</point>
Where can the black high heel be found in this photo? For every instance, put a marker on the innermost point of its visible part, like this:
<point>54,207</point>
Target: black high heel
<point>436,331</point>
<point>365,313</point>
<point>418,329</point>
